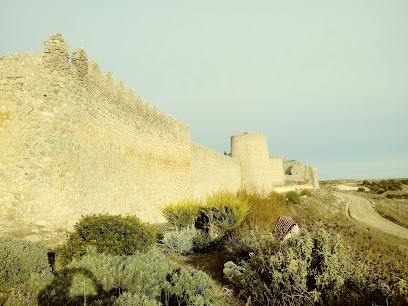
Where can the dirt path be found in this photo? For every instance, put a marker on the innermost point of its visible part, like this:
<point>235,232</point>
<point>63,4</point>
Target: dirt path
<point>362,210</point>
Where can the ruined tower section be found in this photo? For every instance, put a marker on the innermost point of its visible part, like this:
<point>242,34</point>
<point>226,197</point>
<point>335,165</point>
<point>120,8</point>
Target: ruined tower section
<point>297,173</point>
<point>252,151</point>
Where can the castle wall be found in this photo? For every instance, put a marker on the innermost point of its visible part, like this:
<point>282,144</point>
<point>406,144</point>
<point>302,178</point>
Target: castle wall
<point>252,151</point>
<point>212,171</point>
<point>276,168</point>
<point>298,173</point>
<point>73,142</point>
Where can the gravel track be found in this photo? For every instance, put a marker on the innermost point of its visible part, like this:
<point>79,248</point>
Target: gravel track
<point>362,210</point>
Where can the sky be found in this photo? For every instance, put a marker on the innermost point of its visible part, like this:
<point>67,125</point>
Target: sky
<point>326,81</point>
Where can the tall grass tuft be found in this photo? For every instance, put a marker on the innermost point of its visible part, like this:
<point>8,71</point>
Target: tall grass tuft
<point>219,214</point>
<point>264,211</point>
<point>225,211</point>
<point>182,214</point>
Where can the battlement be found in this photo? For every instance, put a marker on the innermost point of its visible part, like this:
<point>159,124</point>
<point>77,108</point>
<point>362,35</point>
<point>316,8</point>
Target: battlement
<point>107,93</point>
<point>78,142</point>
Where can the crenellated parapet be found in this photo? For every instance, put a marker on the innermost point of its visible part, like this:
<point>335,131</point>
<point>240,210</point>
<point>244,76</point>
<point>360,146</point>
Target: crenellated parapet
<point>74,141</point>
<point>79,61</point>
<point>103,94</point>
<point>56,53</point>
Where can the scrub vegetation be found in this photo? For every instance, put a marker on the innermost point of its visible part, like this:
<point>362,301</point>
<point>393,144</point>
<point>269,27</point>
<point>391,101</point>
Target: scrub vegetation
<point>107,260</point>
<point>390,198</point>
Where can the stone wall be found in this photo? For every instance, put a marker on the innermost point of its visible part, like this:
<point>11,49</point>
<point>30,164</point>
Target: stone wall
<point>276,168</point>
<point>212,171</point>
<point>298,173</point>
<point>252,151</point>
<point>74,142</point>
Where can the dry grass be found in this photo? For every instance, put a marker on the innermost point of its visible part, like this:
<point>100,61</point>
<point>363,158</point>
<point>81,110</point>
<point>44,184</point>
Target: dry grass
<point>264,211</point>
<point>395,209</point>
<point>384,254</point>
<point>380,250</point>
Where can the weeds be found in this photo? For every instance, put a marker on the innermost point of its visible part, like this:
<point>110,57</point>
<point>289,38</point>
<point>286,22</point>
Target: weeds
<point>264,211</point>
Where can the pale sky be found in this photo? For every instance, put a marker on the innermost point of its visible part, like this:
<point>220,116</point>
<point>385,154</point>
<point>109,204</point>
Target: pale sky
<point>326,81</point>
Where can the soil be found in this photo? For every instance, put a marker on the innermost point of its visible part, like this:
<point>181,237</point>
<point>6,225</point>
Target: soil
<point>362,210</point>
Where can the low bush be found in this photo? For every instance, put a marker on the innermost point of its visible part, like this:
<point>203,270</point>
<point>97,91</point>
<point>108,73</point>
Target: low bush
<point>360,189</point>
<point>19,259</point>
<point>109,234</point>
<point>179,241</point>
<point>223,212</point>
<point>293,197</point>
<point>306,192</point>
<point>28,293</point>
<point>201,243</point>
<point>182,214</point>
<point>140,279</point>
<point>365,183</point>
<point>313,268</point>
<point>379,187</point>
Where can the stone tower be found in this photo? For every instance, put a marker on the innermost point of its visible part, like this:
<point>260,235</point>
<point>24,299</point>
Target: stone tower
<point>252,151</point>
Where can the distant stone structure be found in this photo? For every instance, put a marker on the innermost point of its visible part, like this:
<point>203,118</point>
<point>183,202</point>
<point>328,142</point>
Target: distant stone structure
<point>74,142</point>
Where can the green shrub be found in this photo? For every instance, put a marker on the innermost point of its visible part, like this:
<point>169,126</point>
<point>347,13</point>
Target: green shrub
<point>360,189</point>
<point>293,197</point>
<point>223,212</point>
<point>179,241</point>
<point>191,287</point>
<point>19,259</point>
<point>28,293</point>
<point>379,187</point>
<point>182,214</point>
<point>132,299</point>
<point>109,234</point>
<point>140,279</point>
<point>313,268</point>
<point>201,242</point>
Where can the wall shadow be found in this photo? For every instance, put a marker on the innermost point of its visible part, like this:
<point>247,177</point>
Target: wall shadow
<point>57,293</point>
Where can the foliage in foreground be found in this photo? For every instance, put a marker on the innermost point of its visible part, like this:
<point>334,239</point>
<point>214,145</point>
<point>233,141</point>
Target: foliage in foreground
<point>263,211</point>
<point>293,197</point>
<point>109,234</point>
<point>182,214</point>
<point>313,268</point>
<point>140,279</point>
<point>179,241</point>
<point>19,259</point>
<point>224,212</point>
<point>220,213</point>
